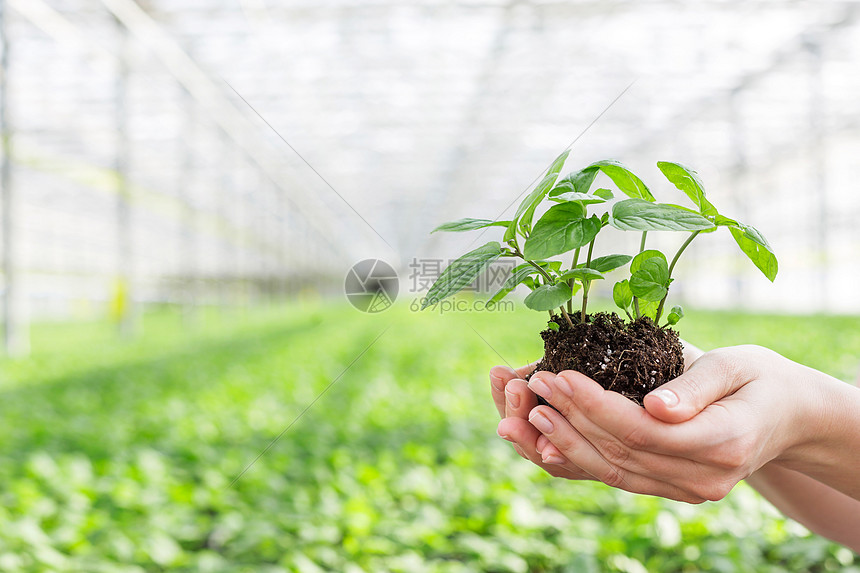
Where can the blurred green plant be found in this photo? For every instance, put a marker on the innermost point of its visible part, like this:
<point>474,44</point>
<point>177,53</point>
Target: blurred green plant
<point>118,456</point>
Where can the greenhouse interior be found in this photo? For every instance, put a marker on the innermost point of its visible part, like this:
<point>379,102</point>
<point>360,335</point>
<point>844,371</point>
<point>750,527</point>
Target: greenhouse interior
<point>219,230</point>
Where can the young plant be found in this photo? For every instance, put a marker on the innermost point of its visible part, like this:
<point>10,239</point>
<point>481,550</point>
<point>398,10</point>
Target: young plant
<point>568,230</point>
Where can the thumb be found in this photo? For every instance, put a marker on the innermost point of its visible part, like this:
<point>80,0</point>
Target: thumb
<point>713,376</point>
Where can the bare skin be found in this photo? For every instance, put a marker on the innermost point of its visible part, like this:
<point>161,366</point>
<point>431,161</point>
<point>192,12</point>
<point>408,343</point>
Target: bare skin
<point>740,413</point>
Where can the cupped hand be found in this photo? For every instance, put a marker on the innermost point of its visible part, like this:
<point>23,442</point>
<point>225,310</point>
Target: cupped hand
<point>733,410</point>
<point>515,401</point>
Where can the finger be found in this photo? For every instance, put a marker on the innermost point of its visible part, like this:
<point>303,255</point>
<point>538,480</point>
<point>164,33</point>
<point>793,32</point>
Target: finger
<point>569,391</point>
<point>576,448</point>
<point>520,451</point>
<point>583,401</point>
<point>691,354</point>
<point>524,371</point>
<point>712,377</point>
<point>524,436</point>
<point>552,455</point>
<point>614,449</point>
<point>519,400</point>
<point>500,376</point>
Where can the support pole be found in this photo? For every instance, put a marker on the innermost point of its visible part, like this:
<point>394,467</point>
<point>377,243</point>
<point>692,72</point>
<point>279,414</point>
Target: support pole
<point>225,189</point>
<point>123,294</point>
<point>188,263</point>
<point>739,179</point>
<point>818,166</point>
<point>15,337</point>
<point>281,235</point>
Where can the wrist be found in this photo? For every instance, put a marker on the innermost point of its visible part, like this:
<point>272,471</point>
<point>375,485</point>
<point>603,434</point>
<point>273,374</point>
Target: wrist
<point>826,410</point>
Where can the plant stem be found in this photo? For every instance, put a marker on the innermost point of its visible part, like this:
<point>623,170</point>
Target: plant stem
<point>571,281</point>
<point>540,270</point>
<point>575,258</point>
<point>641,250</point>
<point>586,284</point>
<point>671,268</point>
<point>566,316</point>
<point>548,278</point>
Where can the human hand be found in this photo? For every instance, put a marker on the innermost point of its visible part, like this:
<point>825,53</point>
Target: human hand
<point>731,412</point>
<point>514,401</point>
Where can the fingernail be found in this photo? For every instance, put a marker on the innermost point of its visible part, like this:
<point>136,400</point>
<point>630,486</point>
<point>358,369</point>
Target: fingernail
<point>496,373</point>
<point>504,436</point>
<point>552,459</point>
<point>540,388</point>
<point>564,386</point>
<point>542,423</point>
<point>667,397</point>
<point>513,399</point>
<point>497,383</point>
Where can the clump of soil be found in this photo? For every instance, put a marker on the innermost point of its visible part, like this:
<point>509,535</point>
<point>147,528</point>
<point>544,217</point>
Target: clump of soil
<point>631,358</point>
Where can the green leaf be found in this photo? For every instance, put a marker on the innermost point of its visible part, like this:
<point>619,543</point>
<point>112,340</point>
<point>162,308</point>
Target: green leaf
<point>637,261</point>
<point>753,244</point>
<point>622,295</point>
<point>648,308</point>
<point>608,263</point>
<point>640,215</point>
<point>462,272</point>
<point>584,198</point>
<point>518,275</point>
<point>605,193</point>
<point>651,281</point>
<point>549,265</point>
<point>511,231</point>
<point>582,274</point>
<point>548,297</point>
<point>578,182</point>
<point>558,163</point>
<point>756,247</point>
<point>676,314</point>
<point>688,181</point>
<point>722,221</point>
<point>552,325</point>
<point>561,229</point>
<point>624,179</point>
<point>526,210</point>
<point>468,224</point>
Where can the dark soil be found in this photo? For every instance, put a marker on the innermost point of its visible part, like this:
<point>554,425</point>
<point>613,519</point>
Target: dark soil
<point>631,358</point>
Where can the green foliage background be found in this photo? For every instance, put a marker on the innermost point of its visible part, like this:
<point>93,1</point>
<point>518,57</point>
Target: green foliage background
<point>118,456</point>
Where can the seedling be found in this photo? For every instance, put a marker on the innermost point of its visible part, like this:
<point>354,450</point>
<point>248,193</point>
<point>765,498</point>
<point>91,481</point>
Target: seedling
<point>631,357</point>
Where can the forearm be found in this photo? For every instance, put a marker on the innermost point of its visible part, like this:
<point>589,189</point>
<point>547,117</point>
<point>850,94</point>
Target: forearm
<point>820,508</point>
<point>816,481</point>
<point>829,449</point>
